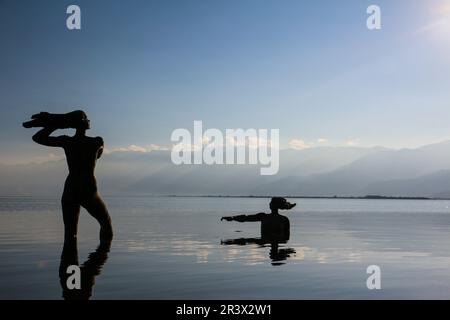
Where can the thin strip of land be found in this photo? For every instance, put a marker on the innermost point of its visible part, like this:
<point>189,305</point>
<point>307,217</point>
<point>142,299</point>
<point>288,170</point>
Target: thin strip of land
<point>367,197</point>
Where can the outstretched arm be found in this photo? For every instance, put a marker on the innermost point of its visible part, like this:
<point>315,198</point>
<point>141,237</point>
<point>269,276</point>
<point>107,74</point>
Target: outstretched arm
<point>245,218</point>
<point>43,137</point>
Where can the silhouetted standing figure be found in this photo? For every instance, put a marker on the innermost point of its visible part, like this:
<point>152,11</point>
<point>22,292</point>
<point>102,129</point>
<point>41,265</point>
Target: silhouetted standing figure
<point>82,152</point>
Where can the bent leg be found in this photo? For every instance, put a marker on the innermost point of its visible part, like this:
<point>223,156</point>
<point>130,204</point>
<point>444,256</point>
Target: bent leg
<point>97,208</point>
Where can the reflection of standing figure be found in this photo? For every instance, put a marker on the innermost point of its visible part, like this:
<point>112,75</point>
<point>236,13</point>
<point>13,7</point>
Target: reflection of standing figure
<point>82,152</point>
<point>89,270</point>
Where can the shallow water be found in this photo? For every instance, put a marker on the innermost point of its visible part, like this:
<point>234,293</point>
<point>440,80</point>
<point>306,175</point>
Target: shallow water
<point>171,248</point>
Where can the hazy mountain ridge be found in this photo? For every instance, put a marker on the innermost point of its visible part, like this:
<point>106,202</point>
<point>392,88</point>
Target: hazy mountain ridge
<point>324,171</point>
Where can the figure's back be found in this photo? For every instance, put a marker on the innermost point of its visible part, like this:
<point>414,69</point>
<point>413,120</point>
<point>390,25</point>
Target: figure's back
<point>275,226</point>
<point>82,154</point>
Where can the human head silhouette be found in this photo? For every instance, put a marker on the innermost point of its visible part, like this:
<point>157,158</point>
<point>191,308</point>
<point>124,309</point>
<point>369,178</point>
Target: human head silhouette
<point>82,120</point>
<point>280,203</point>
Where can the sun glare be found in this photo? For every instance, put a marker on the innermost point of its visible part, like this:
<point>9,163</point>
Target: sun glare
<point>440,27</point>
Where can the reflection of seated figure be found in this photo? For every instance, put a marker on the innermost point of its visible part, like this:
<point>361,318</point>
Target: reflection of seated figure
<point>276,254</point>
<point>89,270</point>
<point>275,229</point>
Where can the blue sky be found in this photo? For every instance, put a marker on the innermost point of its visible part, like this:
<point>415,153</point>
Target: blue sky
<point>310,68</point>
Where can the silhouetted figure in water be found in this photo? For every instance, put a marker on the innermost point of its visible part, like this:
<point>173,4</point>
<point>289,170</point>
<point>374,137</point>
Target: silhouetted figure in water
<point>273,225</point>
<point>88,270</point>
<point>275,229</point>
<point>82,152</point>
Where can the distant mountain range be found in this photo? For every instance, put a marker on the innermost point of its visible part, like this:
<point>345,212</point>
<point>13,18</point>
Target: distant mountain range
<point>322,171</point>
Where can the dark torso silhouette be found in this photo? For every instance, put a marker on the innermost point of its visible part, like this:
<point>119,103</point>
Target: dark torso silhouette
<point>81,154</point>
<point>273,226</point>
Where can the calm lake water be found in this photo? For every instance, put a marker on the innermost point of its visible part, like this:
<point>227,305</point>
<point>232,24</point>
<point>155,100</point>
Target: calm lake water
<point>172,248</point>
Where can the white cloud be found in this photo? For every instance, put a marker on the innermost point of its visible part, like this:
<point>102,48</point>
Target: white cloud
<point>137,148</point>
<point>299,144</point>
<point>206,140</point>
<point>187,147</point>
<point>46,158</point>
<point>352,142</point>
<point>439,25</point>
<point>248,142</point>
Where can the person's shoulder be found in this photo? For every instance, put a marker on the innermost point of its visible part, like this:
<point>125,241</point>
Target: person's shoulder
<point>98,140</point>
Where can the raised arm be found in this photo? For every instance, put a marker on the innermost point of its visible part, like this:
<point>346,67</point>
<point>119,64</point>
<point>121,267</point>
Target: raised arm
<point>245,218</point>
<point>43,137</point>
